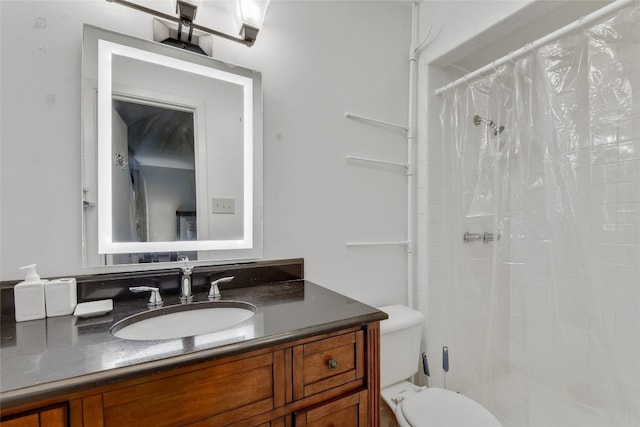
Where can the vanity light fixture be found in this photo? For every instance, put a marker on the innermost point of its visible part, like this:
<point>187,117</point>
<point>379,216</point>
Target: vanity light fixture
<point>186,9</point>
<point>249,19</point>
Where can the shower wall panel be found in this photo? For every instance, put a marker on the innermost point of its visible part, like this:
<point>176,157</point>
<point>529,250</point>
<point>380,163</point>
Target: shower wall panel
<point>556,302</point>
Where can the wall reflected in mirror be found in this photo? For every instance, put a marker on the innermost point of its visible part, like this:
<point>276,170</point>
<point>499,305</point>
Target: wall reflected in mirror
<point>176,141</point>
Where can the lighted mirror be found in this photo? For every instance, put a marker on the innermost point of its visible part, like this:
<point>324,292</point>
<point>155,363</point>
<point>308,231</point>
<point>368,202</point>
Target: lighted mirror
<point>172,154</point>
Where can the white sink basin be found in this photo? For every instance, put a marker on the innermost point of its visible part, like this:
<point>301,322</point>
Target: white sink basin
<point>185,320</point>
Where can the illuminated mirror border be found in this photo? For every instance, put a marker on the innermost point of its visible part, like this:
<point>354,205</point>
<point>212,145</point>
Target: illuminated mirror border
<point>106,245</point>
<point>248,246</point>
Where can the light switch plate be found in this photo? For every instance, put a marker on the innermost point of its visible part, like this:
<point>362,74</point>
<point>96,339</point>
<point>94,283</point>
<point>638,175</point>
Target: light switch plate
<point>223,206</point>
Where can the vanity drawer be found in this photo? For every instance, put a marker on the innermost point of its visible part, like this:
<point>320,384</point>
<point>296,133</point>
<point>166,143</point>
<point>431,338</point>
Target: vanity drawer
<point>222,394</point>
<point>347,411</point>
<point>334,363</point>
<point>49,417</point>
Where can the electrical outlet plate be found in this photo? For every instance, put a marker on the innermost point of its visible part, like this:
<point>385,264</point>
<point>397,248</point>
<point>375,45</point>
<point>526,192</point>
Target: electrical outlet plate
<point>223,206</point>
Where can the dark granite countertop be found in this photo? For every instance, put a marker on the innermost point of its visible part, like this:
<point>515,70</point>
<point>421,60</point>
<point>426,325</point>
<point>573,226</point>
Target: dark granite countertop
<point>43,358</point>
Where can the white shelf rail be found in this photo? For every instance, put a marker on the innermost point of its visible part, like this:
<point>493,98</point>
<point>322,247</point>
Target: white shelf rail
<point>400,242</point>
<point>376,121</point>
<point>382,162</point>
<point>410,130</point>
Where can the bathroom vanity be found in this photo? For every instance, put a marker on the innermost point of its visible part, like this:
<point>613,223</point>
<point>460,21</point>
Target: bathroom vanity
<point>308,357</point>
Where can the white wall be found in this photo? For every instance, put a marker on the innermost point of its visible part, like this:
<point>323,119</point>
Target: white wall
<point>319,60</point>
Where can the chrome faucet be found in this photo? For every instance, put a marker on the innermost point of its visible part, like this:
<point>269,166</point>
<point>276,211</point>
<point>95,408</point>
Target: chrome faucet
<point>155,300</point>
<point>214,291</point>
<point>186,295</point>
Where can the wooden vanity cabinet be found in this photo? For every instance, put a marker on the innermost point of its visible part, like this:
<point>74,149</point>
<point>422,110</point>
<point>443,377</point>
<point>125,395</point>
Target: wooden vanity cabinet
<point>348,411</point>
<point>55,416</point>
<point>326,380</point>
<point>232,391</point>
<point>324,364</point>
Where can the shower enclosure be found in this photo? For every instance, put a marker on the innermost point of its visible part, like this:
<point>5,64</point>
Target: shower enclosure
<point>542,320</point>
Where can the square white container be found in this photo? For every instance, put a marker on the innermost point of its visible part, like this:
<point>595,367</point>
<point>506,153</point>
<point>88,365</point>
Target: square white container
<point>29,300</point>
<point>60,296</point>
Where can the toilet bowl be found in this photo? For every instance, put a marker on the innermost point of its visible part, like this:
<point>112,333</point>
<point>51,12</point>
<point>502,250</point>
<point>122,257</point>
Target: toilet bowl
<point>412,405</point>
<point>416,406</point>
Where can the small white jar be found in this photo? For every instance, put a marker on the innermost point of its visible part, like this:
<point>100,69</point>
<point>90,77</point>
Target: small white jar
<point>60,296</point>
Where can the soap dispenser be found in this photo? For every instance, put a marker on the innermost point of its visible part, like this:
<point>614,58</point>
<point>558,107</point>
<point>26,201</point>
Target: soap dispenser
<point>29,296</point>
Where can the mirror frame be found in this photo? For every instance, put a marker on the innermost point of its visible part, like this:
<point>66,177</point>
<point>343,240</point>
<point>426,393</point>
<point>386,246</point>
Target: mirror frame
<point>99,47</point>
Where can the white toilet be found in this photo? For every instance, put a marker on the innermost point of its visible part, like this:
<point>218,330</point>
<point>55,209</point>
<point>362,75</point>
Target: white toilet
<point>416,406</point>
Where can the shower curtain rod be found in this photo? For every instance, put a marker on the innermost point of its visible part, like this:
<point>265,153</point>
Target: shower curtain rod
<point>582,22</point>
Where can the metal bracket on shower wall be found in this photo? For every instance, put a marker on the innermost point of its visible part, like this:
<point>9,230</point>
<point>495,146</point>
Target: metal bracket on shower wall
<point>476,237</point>
<point>471,237</point>
<point>490,237</point>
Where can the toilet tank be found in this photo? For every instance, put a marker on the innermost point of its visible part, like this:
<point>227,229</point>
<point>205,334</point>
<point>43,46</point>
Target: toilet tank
<point>400,338</point>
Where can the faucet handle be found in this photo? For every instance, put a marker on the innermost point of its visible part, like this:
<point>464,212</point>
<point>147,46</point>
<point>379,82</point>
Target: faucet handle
<point>155,299</point>
<point>214,291</point>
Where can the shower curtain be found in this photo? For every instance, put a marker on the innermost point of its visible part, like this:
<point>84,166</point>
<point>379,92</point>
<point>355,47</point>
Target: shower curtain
<point>544,321</point>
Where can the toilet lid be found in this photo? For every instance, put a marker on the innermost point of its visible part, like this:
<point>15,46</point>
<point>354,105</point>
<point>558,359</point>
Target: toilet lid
<point>444,408</point>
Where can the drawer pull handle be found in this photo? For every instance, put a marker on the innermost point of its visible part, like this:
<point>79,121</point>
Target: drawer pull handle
<point>333,364</point>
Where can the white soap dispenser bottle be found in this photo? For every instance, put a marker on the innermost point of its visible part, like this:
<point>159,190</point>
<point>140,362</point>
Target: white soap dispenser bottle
<point>29,296</point>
